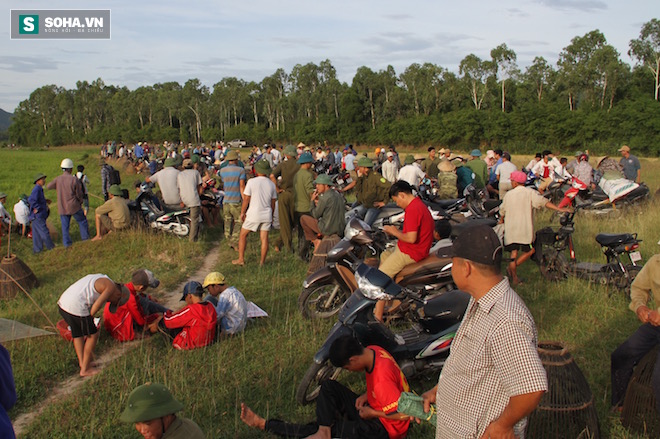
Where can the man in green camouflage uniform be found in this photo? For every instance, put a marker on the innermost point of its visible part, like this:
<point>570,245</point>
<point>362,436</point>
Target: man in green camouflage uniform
<point>303,187</point>
<point>372,190</point>
<point>447,180</point>
<point>286,199</point>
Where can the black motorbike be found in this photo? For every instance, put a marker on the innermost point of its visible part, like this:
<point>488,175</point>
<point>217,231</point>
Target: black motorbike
<point>423,347</point>
<point>177,222</point>
<point>325,291</point>
<point>555,254</point>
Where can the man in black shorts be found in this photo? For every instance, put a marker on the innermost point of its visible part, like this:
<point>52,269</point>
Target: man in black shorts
<point>79,303</point>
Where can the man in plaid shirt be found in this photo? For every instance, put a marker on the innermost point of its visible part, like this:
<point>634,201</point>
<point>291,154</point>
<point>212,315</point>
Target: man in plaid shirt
<point>493,378</point>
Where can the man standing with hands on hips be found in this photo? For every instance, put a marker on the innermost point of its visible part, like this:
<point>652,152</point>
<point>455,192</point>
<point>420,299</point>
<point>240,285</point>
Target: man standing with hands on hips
<point>493,378</point>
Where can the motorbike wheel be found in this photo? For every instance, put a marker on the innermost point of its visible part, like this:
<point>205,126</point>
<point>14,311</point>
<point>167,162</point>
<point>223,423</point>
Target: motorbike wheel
<point>322,301</point>
<point>310,386</point>
<point>621,283</point>
<point>182,229</point>
<point>553,265</point>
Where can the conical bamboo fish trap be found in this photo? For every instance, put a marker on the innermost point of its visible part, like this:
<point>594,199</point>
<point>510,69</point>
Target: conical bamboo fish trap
<point>13,271</point>
<point>639,405</point>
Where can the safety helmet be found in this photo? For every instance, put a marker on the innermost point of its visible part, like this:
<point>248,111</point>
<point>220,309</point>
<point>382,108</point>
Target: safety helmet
<point>66,164</point>
<point>149,401</point>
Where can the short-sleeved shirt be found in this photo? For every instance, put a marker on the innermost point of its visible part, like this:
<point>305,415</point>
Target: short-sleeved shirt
<point>22,212</point>
<point>630,167</point>
<point>504,170</point>
<point>493,357</point>
<point>287,170</point>
<point>412,174</point>
<point>188,181</point>
<point>431,166</point>
<point>349,162</point>
<point>167,181</point>
<point>385,383</point>
<point>78,299</point>
<point>417,218</point>
<point>231,177</point>
<point>117,210</point>
<point>261,192</point>
<point>518,209</point>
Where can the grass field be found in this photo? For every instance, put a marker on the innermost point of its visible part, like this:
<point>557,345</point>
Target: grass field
<point>263,365</point>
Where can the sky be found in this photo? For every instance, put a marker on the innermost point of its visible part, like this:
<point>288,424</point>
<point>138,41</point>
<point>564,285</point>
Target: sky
<point>160,41</point>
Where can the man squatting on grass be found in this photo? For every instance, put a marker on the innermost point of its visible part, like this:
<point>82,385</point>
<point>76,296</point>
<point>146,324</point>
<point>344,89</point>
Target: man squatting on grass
<point>340,413</point>
<point>493,378</point>
<point>78,305</point>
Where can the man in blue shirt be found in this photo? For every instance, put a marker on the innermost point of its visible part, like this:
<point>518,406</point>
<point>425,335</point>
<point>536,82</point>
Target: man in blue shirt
<point>632,169</point>
<point>39,211</point>
<point>230,304</point>
<point>233,180</point>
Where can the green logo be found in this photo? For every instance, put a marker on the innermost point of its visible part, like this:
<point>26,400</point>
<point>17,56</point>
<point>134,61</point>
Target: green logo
<point>28,24</point>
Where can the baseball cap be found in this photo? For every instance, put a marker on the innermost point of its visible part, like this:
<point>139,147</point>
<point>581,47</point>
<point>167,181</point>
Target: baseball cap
<point>192,287</point>
<point>146,278</point>
<point>125,294</point>
<point>214,278</point>
<point>625,148</point>
<point>390,154</point>
<point>478,244</point>
<point>507,156</point>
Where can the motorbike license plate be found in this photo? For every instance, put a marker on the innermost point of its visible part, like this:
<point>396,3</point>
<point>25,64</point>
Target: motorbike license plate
<point>635,256</point>
<point>340,181</point>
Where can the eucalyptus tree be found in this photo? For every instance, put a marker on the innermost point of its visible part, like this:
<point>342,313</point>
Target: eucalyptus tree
<point>540,74</point>
<point>646,50</point>
<point>475,73</point>
<point>504,66</point>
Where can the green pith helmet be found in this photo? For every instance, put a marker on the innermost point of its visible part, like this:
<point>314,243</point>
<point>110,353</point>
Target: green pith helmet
<point>365,162</point>
<point>410,159</point>
<point>290,150</point>
<point>149,401</point>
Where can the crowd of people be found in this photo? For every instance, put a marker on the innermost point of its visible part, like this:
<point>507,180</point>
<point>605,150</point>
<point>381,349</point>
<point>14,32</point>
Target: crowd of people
<point>493,378</point>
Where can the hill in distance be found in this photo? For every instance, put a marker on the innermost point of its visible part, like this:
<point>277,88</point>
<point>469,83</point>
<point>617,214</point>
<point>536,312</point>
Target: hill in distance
<point>5,120</point>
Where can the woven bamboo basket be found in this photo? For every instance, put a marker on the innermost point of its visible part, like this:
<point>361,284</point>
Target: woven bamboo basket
<point>567,409</point>
<point>13,267</point>
<point>640,412</point>
<point>321,253</point>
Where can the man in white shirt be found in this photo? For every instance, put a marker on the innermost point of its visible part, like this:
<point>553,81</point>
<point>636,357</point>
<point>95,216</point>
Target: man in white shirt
<point>389,169</point>
<point>189,184</point>
<point>411,173</point>
<point>259,199</point>
<point>503,173</point>
<point>545,169</point>
<point>22,213</point>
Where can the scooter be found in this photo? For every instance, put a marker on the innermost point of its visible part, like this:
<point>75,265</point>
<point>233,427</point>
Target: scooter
<point>325,291</point>
<point>176,222</point>
<point>552,246</point>
<point>424,347</point>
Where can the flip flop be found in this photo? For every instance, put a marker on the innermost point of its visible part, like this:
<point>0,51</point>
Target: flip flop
<point>237,262</point>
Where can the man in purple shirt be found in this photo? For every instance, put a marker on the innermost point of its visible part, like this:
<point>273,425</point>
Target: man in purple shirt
<point>69,202</point>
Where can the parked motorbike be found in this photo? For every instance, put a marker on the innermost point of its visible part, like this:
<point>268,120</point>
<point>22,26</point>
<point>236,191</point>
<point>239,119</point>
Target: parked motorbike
<point>555,254</point>
<point>424,347</point>
<point>176,222</point>
<point>325,291</point>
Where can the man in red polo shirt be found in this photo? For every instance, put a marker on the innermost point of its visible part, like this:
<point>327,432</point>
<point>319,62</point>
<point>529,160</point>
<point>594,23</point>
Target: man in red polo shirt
<point>414,240</point>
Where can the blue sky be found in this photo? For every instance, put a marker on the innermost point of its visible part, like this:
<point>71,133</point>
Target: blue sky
<point>174,41</point>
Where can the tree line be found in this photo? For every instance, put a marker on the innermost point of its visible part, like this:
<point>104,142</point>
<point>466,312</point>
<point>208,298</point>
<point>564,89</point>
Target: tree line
<point>589,98</point>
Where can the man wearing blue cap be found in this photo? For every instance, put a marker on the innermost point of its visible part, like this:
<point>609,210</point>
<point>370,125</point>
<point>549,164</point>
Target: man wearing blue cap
<point>194,325</point>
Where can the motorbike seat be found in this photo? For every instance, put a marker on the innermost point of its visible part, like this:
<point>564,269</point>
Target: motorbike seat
<point>445,204</point>
<point>447,306</point>
<point>430,264</point>
<point>456,229</point>
<point>491,204</point>
<point>611,240</point>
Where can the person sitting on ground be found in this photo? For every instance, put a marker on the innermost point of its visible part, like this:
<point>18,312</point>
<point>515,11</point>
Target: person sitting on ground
<point>342,413</point>
<point>259,198</point>
<point>516,212</point>
<point>133,317</point>
<point>230,304</point>
<point>22,215</point>
<point>79,303</point>
<point>630,352</point>
<point>5,217</point>
<point>152,409</point>
<point>194,325</point>
<point>112,215</point>
<point>327,215</point>
<point>414,240</point>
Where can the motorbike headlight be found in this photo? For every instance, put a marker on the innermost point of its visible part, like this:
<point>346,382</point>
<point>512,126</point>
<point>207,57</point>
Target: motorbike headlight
<point>371,291</point>
<point>354,227</point>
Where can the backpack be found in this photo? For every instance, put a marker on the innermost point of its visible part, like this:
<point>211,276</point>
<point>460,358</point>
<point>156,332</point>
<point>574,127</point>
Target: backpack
<point>115,178</point>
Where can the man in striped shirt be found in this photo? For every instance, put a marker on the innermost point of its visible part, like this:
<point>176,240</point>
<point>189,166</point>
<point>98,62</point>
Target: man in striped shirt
<point>233,180</point>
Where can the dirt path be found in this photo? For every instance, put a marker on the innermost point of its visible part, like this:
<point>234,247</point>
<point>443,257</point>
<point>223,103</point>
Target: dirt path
<point>172,300</point>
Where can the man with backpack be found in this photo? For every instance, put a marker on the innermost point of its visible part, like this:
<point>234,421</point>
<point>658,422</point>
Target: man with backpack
<point>109,176</point>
